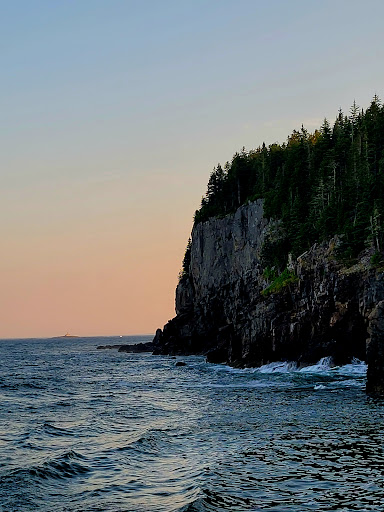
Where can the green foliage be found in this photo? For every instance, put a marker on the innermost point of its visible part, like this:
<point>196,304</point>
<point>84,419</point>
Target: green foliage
<point>184,272</point>
<point>345,255</point>
<point>270,273</point>
<point>316,185</point>
<point>280,282</point>
<point>275,247</point>
<point>377,259</point>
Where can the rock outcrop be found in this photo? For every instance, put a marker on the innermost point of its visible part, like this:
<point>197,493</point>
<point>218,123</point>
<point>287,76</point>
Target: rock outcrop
<point>224,308</point>
<point>375,351</point>
<point>136,348</point>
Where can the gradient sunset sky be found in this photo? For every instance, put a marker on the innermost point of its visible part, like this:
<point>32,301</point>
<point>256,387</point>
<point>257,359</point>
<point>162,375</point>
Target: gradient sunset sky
<point>115,112</point>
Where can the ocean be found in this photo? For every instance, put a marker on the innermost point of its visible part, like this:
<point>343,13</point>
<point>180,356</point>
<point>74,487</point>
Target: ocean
<point>89,430</point>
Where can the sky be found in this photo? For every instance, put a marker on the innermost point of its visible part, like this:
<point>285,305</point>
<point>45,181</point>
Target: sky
<point>114,113</point>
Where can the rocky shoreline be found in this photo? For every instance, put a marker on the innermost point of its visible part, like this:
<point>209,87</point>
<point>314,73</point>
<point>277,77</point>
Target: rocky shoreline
<point>134,348</point>
<point>227,309</point>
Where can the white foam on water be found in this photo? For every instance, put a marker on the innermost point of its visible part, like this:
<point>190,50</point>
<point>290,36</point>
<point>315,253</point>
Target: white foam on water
<point>323,366</point>
<point>230,369</point>
<point>280,373</point>
<point>356,367</point>
<point>238,385</point>
<point>278,367</point>
<point>347,383</point>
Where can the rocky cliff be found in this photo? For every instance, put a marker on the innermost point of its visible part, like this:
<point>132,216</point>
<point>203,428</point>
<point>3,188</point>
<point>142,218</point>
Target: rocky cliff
<point>227,308</point>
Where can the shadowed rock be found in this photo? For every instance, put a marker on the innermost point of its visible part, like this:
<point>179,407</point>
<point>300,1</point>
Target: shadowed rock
<point>137,348</point>
<point>223,310</point>
<point>375,351</point>
<point>105,347</point>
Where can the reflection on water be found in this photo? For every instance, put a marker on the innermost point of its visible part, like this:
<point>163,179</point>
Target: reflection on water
<point>88,430</point>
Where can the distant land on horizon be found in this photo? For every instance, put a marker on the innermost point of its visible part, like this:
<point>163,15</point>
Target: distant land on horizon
<point>119,336</point>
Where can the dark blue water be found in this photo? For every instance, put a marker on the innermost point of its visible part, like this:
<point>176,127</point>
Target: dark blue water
<point>96,430</point>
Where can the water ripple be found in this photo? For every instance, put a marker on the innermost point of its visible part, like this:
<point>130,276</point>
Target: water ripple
<point>85,430</point>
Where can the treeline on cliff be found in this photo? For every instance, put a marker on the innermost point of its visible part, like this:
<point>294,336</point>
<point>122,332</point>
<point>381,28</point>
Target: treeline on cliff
<point>315,185</point>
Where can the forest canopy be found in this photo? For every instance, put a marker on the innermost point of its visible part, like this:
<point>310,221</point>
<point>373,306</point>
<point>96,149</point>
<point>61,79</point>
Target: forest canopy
<point>316,185</point>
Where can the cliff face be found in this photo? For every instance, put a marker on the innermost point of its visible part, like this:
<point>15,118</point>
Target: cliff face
<point>327,310</point>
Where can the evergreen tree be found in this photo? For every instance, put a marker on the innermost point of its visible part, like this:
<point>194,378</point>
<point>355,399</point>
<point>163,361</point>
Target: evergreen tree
<point>316,184</point>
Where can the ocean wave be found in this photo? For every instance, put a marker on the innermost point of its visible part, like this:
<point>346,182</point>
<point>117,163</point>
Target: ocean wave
<point>65,466</point>
<point>356,367</point>
<point>149,442</point>
<point>278,367</point>
<point>213,501</point>
<point>324,366</point>
<point>209,439</point>
<point>14,386</point>
<point>198,505</point>
<point>347,383</point>
<point>64,403</point>
<point>218,368</point>
<point>244,384</point>
<point>56,431</point>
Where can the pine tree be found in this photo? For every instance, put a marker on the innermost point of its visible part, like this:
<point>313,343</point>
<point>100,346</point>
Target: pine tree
<point>316,184</point>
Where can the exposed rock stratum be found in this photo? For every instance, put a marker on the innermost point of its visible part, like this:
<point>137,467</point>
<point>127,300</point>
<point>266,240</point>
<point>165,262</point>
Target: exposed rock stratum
<point>329,309</point>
